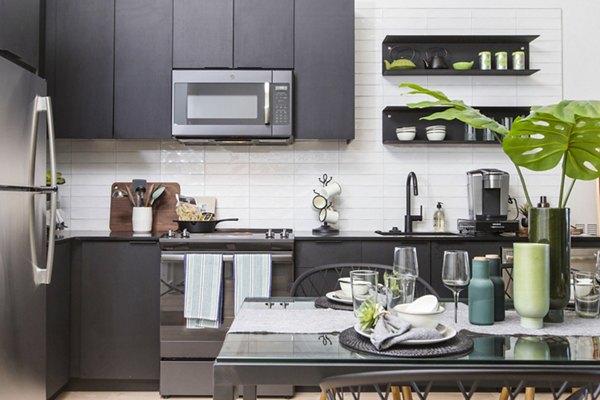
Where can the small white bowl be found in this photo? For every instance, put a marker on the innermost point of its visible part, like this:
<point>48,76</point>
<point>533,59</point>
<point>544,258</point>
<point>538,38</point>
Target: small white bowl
<point>436,127</point>
<point>361,287</point>
<point>436,135</point>
<point>409,135</point>
<point>419,320</point>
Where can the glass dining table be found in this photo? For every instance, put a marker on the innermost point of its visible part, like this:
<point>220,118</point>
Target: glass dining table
<point>251,357</point>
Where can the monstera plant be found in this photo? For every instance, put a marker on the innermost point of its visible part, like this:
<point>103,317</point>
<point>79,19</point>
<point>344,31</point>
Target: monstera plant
<point>567,133</point>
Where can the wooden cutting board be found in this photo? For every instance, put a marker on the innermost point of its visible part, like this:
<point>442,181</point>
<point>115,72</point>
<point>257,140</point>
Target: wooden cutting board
<point>163,212</point>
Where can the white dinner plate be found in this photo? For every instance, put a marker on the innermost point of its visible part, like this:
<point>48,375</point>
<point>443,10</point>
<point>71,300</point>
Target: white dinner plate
<point>446,331</point>
<point>339,297</point>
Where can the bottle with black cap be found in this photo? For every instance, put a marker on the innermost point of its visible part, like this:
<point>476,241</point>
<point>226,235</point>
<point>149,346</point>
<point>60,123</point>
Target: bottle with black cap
<point>543,202</point>
<point>439,219</point>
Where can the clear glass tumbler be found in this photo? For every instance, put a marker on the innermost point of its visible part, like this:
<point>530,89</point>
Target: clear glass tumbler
<point>587,294</point>
<point>364,287</point>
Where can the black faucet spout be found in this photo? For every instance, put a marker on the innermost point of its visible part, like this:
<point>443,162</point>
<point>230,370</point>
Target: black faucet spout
<point>411,179</point>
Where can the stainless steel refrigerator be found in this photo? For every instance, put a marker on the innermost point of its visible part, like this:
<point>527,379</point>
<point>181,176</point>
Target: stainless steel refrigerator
<point>26,250</point>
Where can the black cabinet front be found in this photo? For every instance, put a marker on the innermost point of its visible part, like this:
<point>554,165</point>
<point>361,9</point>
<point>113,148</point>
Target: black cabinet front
<point>20,31</point>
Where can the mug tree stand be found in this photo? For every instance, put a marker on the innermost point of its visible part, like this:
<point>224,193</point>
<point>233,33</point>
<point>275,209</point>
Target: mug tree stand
<point>325,229</point>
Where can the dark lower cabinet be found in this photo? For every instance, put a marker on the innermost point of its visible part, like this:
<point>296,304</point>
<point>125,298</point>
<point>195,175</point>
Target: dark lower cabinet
<point>80,51</point>
<point>118,310</point>
<point>20,31</point>
<point>58,320</point>
<point>310,254</point>
<point>143,50</point>
<point>475,249</point>
<point>324,69</point>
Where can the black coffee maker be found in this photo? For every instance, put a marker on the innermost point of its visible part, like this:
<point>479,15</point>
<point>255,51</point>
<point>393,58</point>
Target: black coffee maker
<point>487,190</point>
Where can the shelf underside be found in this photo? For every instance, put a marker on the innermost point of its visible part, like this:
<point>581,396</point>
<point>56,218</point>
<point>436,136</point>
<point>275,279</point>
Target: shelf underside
<point>472,72</point>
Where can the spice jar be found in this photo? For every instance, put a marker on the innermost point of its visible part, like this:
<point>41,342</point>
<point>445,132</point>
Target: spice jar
<point>501,60</point>
<point>485,60</point>
<point>518,60</point>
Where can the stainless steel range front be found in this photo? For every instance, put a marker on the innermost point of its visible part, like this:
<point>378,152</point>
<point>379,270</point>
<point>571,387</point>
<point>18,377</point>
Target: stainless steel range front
<point>187,355</point>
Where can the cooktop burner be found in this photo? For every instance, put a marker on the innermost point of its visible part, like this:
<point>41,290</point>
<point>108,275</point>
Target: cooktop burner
<point>235,234</point>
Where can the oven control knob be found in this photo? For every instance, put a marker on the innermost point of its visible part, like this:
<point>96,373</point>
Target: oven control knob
<point>170,234</point>
<point>270,234</point>
<point>284,234</point>
<point>185,233</point>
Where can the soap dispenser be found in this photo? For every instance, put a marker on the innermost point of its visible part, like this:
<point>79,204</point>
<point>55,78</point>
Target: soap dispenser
<point>439,218</point>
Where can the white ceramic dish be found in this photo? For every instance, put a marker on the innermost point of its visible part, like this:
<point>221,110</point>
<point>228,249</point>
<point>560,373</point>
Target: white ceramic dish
<point>406,135</point>
<point>428,303</point>
<point>446,331</point>
<point>420,319</point>
<point>433,136</point>
<point>436,127</point>
<point>339,297</point>
<point>362,287</point>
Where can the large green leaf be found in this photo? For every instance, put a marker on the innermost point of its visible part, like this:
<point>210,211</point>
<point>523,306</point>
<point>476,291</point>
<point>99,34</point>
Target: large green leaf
<point>558,133</point>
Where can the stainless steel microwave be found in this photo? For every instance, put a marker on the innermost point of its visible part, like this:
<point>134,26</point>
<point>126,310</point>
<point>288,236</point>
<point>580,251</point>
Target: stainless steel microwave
<point>232,106</point>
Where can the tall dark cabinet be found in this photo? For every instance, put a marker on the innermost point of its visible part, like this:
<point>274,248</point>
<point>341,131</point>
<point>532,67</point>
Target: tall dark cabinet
<point>143,48</point>
<point>80,71</point>
<point>20,31</point>
<point>324,69</point>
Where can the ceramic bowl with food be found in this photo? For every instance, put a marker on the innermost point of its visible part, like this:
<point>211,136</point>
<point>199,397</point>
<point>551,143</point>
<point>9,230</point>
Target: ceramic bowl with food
<point>419,319</point>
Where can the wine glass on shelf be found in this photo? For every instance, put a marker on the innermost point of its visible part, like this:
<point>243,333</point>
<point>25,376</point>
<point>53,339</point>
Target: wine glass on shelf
<point>456,274</point>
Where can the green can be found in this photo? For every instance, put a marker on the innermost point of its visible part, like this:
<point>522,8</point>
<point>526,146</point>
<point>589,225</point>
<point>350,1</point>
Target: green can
<point>485,60</point>
<point>518,60</point>
<point>501,60</point>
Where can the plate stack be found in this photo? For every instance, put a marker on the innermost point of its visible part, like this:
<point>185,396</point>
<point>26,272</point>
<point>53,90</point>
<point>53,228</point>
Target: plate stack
<point>406,133</point>
<point>436,132</point>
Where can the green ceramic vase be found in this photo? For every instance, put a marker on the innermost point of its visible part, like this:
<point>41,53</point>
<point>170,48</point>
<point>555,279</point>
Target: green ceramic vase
<point>552,226</point>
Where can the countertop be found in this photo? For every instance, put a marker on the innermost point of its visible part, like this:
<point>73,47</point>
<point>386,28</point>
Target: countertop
<point>309,236</point>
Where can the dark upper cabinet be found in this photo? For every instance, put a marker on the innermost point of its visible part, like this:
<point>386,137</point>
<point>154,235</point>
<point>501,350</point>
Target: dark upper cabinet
<point>143,48</point>
<point>81,77</point>
<point>119,308</point>
<point>263,34</point>
<point>324,69</point>
<point>233,34</point>
<point>202,33</point>
<point>20,31</point>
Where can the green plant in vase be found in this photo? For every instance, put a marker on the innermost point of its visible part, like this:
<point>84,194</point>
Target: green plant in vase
<point>565,134</point>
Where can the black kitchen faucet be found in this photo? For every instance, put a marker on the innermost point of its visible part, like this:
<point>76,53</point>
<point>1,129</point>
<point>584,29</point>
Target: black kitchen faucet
<point>409,218</point>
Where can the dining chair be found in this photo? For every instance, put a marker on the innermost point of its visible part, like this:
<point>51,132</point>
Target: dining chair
<point>322,279</point>
<point>556,381</point>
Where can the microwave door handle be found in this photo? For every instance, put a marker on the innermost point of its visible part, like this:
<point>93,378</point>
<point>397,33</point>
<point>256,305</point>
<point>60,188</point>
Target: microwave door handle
<point>267,103</point>
<point>43,276</point>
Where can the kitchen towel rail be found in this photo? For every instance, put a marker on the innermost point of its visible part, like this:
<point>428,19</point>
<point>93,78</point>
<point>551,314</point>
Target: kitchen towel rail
<point>226,257</point>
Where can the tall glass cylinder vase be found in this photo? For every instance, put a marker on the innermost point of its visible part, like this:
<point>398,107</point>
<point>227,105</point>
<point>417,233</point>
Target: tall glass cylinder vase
<point>552,226</point>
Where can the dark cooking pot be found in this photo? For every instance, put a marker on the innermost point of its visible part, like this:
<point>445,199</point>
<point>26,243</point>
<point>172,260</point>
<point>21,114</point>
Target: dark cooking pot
<point>201,226</point>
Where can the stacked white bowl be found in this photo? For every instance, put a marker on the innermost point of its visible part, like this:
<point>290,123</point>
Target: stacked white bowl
<point>406,133</point>
<point>436,132</point>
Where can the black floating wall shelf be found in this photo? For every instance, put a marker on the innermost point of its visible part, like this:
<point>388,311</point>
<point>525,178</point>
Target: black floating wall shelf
<point>459,48</point>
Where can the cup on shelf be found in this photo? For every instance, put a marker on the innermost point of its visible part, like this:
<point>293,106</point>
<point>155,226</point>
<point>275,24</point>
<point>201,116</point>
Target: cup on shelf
<point>470,133</point>
<point>141,219</point>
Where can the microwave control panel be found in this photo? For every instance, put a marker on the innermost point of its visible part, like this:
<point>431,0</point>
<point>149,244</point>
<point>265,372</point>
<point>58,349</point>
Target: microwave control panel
<point>281,104</point>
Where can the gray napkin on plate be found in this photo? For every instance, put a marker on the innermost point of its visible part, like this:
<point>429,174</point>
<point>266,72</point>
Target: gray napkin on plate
<point>391,330</point>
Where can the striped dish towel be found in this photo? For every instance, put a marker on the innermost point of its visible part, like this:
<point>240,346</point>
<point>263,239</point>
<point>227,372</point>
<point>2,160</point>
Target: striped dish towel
<point>252,277</point>
<point>203,290</point>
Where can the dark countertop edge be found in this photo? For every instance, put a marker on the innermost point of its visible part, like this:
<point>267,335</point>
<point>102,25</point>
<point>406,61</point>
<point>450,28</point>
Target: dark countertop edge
<point>309,236</point>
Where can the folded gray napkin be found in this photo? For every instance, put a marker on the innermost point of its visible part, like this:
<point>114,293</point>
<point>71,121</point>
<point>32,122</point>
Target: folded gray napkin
<point>391,330</point>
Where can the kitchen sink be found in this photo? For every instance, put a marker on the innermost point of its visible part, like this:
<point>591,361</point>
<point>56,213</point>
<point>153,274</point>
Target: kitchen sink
<point>418,234</point>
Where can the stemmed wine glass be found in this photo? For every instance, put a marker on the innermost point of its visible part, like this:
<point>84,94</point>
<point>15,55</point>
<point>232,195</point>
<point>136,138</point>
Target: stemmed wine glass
<point>456,274</point>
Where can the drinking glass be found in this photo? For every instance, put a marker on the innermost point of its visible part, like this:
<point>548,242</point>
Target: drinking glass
<point>587,294</point>
<point>399,289</point>
<point>406,266</point>
<point>364,287</point>
<point>598,266</point>
<point>456,274</point>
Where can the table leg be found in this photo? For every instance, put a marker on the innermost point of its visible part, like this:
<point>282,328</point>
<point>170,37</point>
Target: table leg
<point>249,392</point>
<point>529,393</point>
<point>226,392</point>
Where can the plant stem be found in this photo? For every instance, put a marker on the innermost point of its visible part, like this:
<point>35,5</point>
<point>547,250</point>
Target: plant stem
<point>522,179</point>
<point>562,182</point>
<point>564,205</point>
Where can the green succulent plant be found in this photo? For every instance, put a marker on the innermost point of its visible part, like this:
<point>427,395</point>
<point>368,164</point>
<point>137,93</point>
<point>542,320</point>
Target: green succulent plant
<point>369,313</point>
<point>59,178</point>
<point>567,133</point>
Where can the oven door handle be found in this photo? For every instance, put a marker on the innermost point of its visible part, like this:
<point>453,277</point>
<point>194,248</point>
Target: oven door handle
<point>226,257</point>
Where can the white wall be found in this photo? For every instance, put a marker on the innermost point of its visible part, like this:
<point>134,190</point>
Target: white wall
<point>268,187</point>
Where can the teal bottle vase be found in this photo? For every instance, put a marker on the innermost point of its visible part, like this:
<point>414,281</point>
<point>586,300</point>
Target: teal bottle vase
<point>496,278</point>
<point>552,226</point>
<point>531,283</point>
<point>481,294</point>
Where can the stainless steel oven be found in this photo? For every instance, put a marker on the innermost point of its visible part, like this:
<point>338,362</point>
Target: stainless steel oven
<point>187,355</point>
<point>232,105</point>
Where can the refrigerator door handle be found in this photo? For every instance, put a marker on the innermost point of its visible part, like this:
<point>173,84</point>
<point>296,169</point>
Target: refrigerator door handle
<point>43,276</point>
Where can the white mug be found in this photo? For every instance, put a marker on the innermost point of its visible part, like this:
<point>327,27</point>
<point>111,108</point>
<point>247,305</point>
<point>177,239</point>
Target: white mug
<point>141,219</point>
<point>319,202</point>
<point>333,189</point>
<point>329,215</point>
